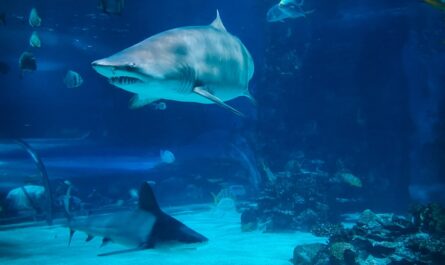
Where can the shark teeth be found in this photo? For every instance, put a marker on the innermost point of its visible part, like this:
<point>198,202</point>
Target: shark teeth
<point>124,80</point>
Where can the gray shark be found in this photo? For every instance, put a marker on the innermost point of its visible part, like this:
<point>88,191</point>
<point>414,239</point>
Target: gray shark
<point>287,9</point>
<point>143,228</point>
<point>201,64</point>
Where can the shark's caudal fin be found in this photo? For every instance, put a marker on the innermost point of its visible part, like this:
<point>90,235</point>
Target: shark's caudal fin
<point>166,227</point>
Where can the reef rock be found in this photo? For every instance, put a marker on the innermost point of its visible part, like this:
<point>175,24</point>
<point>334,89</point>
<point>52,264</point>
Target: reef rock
<point>306,254</point>
<point>384,239</point>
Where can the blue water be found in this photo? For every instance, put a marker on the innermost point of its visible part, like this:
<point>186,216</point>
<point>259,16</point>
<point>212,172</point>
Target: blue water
<point>354,86</point>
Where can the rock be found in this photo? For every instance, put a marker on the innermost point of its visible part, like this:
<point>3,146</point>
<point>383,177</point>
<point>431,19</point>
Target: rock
<point>362,243</point>
<point>342,252</point>
<point>383,249</point>
<point>427,247</point>
<point>307,217</point>
<point>369,219</point>
<point>306,254</point>
<point>370,260</point>
<point>350,257</point>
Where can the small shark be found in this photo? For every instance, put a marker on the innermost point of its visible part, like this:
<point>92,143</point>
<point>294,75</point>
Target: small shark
<point>287,9</point>
<point>144,228</point>
<point>201,64</point>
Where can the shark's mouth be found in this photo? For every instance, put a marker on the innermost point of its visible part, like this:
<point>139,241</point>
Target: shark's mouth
<point>124,80</point>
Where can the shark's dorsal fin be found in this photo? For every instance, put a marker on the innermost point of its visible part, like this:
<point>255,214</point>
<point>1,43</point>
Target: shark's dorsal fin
<point>147,200</point>
<point>217,23</point>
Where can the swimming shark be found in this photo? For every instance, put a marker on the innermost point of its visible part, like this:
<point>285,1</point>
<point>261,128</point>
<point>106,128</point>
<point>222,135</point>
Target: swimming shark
<point>143,228</point>
<point>201,64</point>
<point>286,9</point>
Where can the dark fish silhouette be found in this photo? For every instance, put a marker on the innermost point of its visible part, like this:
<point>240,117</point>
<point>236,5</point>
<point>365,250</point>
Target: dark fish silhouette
<point>113,7</point>
<point>4,68</point>
<point>27,62</point>
<point>2,19</point>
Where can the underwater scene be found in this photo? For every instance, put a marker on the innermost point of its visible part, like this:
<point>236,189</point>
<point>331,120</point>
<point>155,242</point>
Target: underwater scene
<point>205,132</point>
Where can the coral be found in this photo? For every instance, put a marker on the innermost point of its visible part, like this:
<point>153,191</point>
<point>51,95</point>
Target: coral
<point>326,229</point>
<point>430,218</point>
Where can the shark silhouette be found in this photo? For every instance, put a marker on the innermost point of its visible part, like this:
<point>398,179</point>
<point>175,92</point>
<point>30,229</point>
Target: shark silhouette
<point>143,228</point>
<point>200,64</point>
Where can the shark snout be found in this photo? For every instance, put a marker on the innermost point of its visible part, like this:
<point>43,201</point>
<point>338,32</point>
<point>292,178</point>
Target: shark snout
<point>103,68</point>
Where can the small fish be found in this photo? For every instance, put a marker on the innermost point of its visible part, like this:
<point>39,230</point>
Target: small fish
<point>286,9</point>
<point>72,79</point>
<point>34,19</point>
<point>113,7</point>
<point>167,156</point>
<point>4,68</point>
<point>27,63</point>
<point>2,19</point>
<point>34,40</point>
<point>215,180</point>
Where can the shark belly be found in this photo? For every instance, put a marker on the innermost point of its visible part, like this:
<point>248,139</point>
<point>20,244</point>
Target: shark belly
<point>129,228</point>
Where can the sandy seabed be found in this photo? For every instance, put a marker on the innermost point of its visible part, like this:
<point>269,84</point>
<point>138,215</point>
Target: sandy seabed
<point>227,245</point>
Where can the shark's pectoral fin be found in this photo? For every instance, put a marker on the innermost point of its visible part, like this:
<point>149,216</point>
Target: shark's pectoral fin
<point>105,241</point>
<point>139,101</point>
<point>203,92</point>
